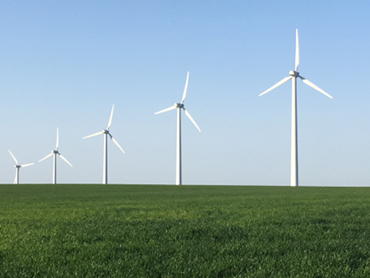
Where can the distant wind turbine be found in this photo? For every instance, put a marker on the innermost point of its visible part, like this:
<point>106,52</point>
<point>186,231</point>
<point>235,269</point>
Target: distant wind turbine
<point>105,157</point>
<point>180,106</point>
<point>55,153</point>
<point>293,75</point>
<point>17,167</point>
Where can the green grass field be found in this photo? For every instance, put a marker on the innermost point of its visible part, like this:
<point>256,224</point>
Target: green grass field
<point>189,231</point>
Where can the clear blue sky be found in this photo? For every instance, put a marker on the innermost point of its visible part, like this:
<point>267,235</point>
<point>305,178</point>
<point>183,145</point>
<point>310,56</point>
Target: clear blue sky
<point>64,63</point>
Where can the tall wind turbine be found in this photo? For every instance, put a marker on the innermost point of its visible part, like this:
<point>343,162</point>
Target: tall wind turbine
<point>17,167</point>
<point>55,153</point>
<point>105,157</point>
<point>293,75</point>
<point>180,106</point>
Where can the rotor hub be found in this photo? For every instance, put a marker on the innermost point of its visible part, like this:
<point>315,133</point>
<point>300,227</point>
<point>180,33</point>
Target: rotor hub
<point>179,105</point>
<point>294,73</point>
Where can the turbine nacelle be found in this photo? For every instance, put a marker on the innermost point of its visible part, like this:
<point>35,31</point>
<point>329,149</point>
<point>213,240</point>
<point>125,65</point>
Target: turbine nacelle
<point>293,73</point>
<point>179,105</point>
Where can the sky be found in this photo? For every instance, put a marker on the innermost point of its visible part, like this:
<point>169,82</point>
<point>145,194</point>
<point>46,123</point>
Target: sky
<point>63,64</point>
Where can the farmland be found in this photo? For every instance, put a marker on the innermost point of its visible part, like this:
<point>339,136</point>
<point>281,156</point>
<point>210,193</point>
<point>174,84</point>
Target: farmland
<point>189,231</point>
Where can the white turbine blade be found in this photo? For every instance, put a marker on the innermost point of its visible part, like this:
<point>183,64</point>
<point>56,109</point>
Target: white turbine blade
<point>57,146</point>
<point>95,134</point>
<point>286,79</point>
<point>26,165</point>
<point>16,162</point>
<point>296,51</point>
<point>111,117</point>
<point>191,119</point>
<point>115,142</point>
<point>309,83</point>
<point>15,179</point>
<point>167,109</point>
<point>46,157</point>
<point>185,89</point>
<point>62,157</point>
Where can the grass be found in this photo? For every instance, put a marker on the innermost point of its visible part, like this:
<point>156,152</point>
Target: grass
<point>189,231</point>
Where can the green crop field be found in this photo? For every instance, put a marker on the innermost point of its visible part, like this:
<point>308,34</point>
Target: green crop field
<point>188,231</point>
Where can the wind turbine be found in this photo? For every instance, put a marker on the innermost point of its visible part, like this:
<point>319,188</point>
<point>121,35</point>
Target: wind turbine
<point>105,157</point>
<point>55,153</point>
<point>17,166</point>
<point>293,75</point>
<point>180,106</point>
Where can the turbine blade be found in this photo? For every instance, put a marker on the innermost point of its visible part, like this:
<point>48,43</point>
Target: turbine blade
<point>185,89</point>
<point>16,162</point>
<point>115,142</point>
<point>191,119</point>
<point>286,79</point>
<point>309,83</point>
<point>46,157</point>
<point>26,165</point>
<point>167,109</point>
<point>62,157</point>
<point>57,146</point>
<point>296,51</point>
<point>110,119</point>
<point>15,179</point>
<point>95,134</point>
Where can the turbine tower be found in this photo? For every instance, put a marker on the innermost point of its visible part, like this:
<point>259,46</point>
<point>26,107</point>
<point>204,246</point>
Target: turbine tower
<point>293,75</point>
<point>17,167</point>
<point>105,156</point>
<point>180,106</point>
<point>55,153</point>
